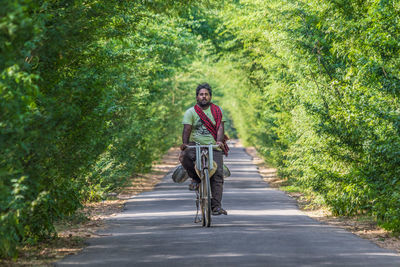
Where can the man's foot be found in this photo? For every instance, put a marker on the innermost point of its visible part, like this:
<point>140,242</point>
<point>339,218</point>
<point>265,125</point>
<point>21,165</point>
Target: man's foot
<point>219,211</point>
<point>194,185</point>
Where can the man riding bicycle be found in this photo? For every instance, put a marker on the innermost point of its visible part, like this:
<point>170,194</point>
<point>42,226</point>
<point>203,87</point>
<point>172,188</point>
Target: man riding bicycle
<point>204,124</point>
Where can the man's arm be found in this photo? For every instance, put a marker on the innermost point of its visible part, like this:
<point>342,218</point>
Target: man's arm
<point>187,130</point>
<point>220,135</point>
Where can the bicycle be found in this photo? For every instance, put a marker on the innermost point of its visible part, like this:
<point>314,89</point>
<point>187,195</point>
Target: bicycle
<point>204,164</point>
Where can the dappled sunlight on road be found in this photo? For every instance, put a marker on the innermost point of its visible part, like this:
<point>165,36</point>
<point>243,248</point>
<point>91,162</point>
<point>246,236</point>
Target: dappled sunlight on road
<point>286,212</point>
<point>264,227</point>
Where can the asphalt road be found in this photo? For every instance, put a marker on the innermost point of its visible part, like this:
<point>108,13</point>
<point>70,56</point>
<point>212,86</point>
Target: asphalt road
<point>263,228</point>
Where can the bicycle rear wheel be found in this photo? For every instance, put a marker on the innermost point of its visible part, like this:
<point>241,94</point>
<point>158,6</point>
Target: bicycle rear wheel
<point>206,199</point>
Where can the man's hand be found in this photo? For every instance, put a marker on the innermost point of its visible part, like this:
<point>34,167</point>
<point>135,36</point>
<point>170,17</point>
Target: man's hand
<point>221,145</point>
<point>183,146</point>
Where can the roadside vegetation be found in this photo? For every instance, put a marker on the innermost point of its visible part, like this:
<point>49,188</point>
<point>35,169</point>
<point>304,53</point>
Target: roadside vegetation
<point>315,87</point>
<point>92,92</point>
<point>90,95</point>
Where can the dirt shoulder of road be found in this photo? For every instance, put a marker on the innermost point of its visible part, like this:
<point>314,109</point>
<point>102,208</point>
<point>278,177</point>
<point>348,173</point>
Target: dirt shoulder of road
<point>72,235</point>
<point>362,226</point>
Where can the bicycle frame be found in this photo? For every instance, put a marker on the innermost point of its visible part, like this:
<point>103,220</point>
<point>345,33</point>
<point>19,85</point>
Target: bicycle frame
<point>210,156</point>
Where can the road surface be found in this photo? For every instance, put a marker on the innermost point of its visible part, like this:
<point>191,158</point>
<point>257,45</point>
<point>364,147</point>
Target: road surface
<point>264,227</point>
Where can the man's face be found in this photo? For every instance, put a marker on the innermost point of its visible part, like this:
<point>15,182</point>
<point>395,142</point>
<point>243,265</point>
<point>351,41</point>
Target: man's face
<point>203,98</point>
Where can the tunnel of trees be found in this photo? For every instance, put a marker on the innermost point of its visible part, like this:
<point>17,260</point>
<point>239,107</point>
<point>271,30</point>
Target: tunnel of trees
<point>92,92</point>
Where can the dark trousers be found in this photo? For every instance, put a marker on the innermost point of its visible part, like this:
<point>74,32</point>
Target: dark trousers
<point>188,159</point>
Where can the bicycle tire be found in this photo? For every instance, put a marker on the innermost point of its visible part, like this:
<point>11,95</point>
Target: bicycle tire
<point>207,199</point>
<point>202,203</point>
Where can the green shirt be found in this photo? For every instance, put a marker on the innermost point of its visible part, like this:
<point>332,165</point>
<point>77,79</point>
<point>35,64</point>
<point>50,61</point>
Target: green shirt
<point>199,133</point>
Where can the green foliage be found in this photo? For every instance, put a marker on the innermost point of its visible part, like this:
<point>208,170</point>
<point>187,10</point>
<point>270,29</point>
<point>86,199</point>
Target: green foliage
<point>89,95</point>
<point>322,98</point>
<point>92,92</point>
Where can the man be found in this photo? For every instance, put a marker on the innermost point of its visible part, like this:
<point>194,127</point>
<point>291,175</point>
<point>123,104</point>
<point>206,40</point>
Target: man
<point>204,124</point>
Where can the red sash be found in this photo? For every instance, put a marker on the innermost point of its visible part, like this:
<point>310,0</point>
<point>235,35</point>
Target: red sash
<point>213,129</point>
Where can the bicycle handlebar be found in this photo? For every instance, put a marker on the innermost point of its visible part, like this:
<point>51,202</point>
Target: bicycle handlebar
<point>202,146</point>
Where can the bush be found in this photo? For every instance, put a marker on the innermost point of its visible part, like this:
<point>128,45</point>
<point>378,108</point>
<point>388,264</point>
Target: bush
<point>85,90</point>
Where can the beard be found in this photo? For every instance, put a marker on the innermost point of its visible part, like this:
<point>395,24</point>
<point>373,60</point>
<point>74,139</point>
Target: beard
<point>203,103</point>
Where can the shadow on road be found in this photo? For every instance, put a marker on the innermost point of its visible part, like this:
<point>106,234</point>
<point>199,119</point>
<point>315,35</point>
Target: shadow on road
<point>264,228</point>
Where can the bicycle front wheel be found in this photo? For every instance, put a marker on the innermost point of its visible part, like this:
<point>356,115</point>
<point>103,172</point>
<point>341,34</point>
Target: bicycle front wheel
<point>206,199</point>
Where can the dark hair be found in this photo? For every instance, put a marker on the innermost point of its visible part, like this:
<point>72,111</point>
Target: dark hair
<point>203,86</point>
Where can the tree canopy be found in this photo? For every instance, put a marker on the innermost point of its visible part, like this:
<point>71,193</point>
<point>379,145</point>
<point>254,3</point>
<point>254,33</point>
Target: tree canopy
<point>93,92</point>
